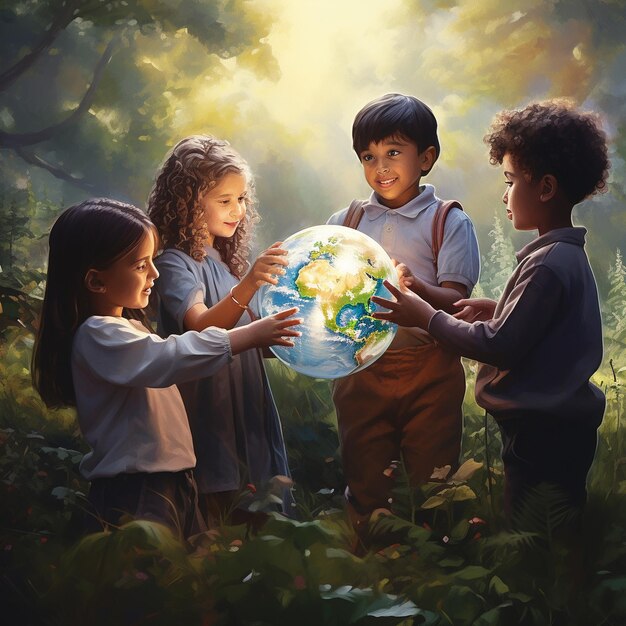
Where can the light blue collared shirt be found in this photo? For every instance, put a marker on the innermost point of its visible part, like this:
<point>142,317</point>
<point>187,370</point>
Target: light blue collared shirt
<point>406,234</point>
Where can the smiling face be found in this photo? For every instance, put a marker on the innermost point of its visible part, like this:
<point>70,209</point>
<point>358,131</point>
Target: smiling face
<point>126,283</point>
<point>224,205</point>
<point>393,168</point>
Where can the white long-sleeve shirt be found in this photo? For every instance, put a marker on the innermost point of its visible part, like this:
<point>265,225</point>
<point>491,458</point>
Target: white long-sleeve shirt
<point>129,410</point>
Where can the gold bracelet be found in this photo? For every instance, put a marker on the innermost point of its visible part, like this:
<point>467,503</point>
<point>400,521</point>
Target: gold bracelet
<point>232,297</point>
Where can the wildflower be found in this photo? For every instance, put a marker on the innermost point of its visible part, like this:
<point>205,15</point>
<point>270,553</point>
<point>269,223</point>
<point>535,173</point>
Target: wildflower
<point>477,520</point>
<point>251,488</point>
<point>141,576</point>
<point>445,539</point>
<point>299,582</point>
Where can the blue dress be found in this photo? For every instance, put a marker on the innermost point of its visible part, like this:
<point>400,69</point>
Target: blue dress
<point>235,425</point>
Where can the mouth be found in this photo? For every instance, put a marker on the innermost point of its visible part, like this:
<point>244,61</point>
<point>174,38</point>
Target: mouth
<point>387,182</point>
<point>509,214</point>
<point>148,290</point>
<point>232,224</point>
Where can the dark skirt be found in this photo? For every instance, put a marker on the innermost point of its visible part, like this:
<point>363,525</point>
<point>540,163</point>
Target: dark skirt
<point>170,498</point>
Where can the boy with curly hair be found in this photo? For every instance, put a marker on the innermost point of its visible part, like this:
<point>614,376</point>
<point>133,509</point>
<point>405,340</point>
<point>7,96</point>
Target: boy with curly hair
<point>540,344</point>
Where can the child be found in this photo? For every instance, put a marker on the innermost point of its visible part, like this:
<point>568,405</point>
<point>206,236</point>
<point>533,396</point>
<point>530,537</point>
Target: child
<point>542,341</point>
<point>409,401</point>
<point>120,377</point>
<point>203,205</point>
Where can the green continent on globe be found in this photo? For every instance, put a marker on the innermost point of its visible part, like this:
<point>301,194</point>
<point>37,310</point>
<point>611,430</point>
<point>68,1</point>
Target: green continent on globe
<point>353,284</point>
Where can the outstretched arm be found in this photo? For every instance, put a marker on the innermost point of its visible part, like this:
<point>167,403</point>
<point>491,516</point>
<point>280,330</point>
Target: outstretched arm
<point>226,312</point>
<point>475,309</point>
<point>273,330</point>
<point>443,296</point>
<point>407,310</point>
<point>531,306</point>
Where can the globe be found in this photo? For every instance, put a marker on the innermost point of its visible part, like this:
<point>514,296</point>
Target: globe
<point>333,272</point>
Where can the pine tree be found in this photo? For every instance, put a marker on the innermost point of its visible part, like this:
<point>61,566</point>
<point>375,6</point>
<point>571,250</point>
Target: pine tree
<point>499,263</point>
<point>615,306</point>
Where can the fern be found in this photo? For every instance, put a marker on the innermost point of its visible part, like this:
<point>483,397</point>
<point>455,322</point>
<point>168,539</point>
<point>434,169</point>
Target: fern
<point>544,510</point>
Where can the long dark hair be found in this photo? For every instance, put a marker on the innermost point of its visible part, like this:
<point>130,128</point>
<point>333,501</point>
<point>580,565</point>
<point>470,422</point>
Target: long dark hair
<point>90,235</point>
<point>196,164</point>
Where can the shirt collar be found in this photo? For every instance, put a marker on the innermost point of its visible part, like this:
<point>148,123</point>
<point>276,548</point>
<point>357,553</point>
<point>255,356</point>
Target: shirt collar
<point>570,234</point>
<point>374,208</point>
<point>212,252</point>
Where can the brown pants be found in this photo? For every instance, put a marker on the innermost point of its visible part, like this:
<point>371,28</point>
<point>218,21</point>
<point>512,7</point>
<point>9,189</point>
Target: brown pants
<point>408,402</point>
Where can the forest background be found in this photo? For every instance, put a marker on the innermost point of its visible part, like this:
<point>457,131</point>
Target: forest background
<point>92,95</point>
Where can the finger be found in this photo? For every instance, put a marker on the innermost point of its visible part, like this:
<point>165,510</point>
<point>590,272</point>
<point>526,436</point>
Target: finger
<point>466,313</point>
<point>276,252</point>
<point>284,342</point>
<point>288,332</point>
<point>387,304</point>
<point>461,302</point>
<point>383,315</point>
<point>276,244</point>
<point>393,290</point>
<point>295,321</point>
<point>281,315</point>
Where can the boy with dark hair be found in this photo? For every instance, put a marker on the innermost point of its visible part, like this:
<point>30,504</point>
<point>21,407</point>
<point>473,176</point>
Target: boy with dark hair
<point>540,344</point>
<point>408,403</point>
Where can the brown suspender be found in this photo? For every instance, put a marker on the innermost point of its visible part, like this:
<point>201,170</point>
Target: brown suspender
<point>439,221</point>
<point>356,210</point>
<point>354,214</point>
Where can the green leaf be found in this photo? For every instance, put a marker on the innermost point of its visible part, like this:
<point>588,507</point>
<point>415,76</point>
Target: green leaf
<point>466,471</point>
<point>497,586</point>
<point>433,502</point>
<point>472,572</point>
<point>463,493</point>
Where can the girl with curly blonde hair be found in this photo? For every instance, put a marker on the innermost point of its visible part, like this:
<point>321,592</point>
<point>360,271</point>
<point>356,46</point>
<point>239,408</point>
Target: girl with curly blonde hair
<point>203,205</point>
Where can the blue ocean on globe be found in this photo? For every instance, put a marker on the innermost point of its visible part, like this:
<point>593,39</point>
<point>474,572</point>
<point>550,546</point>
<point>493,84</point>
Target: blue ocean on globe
<point>333,272</point>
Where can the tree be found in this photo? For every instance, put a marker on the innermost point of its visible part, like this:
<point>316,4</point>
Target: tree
<point>615,305</point>
<point>101,82</point>
<point>499,262</point>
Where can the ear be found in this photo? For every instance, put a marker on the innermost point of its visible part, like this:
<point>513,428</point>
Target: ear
<point>548,186</point>
<point>93,282</point>
<point>428,158</point>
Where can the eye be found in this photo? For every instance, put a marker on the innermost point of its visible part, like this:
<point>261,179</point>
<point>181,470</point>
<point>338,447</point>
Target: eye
<point>393,153</point>
<point>508,183</point>
<point>367,157</point>
<point>142,267</point>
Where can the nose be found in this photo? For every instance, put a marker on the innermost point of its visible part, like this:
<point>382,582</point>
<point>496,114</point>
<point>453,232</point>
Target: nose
<point>239,210</point>
<point>505,196</point>
<point>154,272</point>
<point>382,166</point>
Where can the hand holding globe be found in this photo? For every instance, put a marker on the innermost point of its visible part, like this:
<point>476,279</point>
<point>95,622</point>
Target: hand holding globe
<point>332,274</point>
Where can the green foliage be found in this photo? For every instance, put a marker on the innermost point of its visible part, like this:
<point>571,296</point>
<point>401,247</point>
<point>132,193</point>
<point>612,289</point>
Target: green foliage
<point>101,80</point>
<point>615,306</point>
<point>442,556</point>
<point>499,263</point>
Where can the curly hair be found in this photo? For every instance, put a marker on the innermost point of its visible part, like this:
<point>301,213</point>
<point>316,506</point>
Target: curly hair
<point>553,137</point>
<point>197,164</point>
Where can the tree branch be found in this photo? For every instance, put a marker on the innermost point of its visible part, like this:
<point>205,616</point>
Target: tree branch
<point>56,171</point>
<point>19,140</point>
<point>60,23</point>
